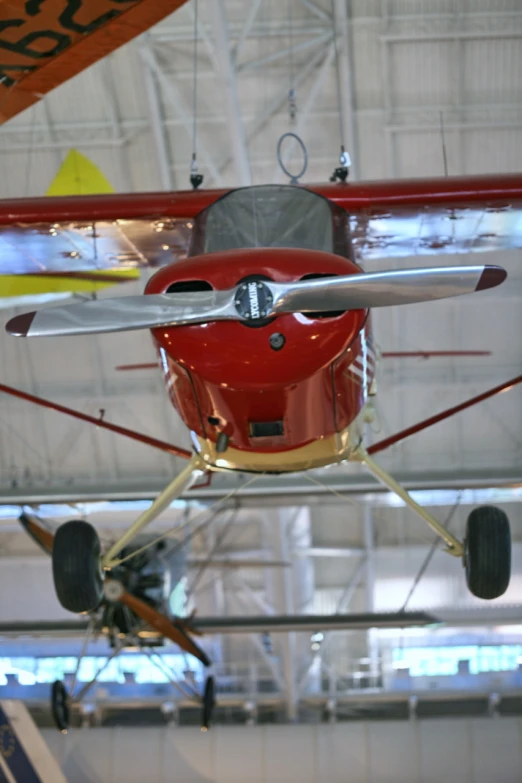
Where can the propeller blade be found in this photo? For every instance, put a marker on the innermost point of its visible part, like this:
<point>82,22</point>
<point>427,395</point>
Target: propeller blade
<point>125,313</point>
<point>209,702</point>
<point>382,289</point>
<point>156,620</point>
<point>43,537</point>
<point>256,300</point>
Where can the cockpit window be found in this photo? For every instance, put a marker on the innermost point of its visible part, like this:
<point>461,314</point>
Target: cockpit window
<point>267,216</point>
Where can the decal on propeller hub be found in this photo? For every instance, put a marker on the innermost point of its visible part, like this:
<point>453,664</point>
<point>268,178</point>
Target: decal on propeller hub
<point>253,300</point>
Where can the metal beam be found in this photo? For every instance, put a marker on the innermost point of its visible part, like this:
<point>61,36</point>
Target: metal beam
<point>111,105</point>
<point>280,100</point>
<point>157,126</point>
<point>177,101</point>
<point>284,490</point>
<point>283,54</point>
<point>229,81</point>
<point>251,624</point>
<point>249,21</point>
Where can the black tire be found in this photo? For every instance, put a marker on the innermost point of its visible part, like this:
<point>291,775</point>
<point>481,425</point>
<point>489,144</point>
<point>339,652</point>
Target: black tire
<point>487,552</point>
<point>60,705</point>
<point>209,702</point>
<point>78,577</point>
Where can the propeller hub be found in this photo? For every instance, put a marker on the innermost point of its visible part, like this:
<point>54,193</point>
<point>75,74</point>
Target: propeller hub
<point>253,300</point>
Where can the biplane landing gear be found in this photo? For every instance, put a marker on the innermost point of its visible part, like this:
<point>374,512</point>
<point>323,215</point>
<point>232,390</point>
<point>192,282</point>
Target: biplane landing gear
<point>487,552</point>
<point>60,706</point>
<point>209,702</point>
<point>77,571</point>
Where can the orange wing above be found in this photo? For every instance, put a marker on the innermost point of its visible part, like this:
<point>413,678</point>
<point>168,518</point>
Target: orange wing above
<point>43,43</point>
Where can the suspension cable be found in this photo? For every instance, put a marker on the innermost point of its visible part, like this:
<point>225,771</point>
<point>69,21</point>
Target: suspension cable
<point>195,178</point>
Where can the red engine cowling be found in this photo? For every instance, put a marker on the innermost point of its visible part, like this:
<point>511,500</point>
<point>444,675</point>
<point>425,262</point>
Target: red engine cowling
<point>227,377</point>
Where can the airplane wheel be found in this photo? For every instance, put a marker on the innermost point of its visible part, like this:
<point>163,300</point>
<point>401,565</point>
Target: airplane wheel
<point>209,702</point>
<point>60,705</point>
<point>77,572</point>
<point>487,552</point>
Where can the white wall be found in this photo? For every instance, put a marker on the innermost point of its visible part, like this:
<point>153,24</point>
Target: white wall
<point>478,750</point>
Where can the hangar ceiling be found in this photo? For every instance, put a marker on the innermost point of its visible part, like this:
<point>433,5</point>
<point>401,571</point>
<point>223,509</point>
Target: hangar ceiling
<point>420,82</point>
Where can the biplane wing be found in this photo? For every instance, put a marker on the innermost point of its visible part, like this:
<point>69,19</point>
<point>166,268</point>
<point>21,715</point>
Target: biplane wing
<point>388,218</point>
<point>43,43</point>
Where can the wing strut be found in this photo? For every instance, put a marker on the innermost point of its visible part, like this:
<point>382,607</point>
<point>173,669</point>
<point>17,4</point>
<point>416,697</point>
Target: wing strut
<point>381,445</point>
<point>176,451</point>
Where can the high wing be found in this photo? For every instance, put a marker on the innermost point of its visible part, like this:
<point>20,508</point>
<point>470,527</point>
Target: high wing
<point>387,219</point>
<point>43,44</point>
<point>433,216</point>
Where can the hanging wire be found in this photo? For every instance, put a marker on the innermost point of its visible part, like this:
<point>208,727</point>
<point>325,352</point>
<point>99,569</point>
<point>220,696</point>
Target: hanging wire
<point>203,567</point>
<point>176,529</point>
<point>195,178</point>
<point>195,83</point>
<point>443,140</point>
<point>338,79</point>
<point>292,107</point>
<point>427,560</point>
<point>29,168</point>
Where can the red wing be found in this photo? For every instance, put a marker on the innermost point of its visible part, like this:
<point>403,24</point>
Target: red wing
<point>38,532</point>
<point>431,216</point>
<point>79,233</point>
<point>43,44</point>
<point>388,219</point>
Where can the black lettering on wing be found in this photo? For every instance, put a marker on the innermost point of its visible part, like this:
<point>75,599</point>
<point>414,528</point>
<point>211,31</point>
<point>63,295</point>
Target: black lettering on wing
<point>68,21</point>
<point>8,81</point>
<point>22,46</point>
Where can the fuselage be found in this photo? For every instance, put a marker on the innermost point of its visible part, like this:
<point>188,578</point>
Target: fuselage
<point>286,394</point>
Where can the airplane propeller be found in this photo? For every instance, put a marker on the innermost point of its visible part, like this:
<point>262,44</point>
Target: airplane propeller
<point>257,300</point>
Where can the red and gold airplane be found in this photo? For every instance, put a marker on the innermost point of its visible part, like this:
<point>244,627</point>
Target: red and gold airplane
<point>264,331</point>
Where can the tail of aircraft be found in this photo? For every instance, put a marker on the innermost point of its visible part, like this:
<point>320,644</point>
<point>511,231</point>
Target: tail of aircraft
<point>77,176</point>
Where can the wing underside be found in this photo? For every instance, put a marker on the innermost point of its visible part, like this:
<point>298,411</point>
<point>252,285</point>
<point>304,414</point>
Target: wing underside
<point>435,230</point>
<point>387,219</point>
<point>77,247</point>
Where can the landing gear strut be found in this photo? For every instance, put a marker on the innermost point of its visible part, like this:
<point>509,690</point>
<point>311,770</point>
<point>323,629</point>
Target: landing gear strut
<point>486,550</point>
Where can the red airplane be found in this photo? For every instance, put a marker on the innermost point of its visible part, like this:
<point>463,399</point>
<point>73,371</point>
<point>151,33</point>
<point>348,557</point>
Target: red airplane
<point>264,330</point>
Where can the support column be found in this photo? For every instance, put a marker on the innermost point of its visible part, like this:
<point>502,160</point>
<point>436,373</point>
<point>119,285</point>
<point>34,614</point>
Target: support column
<point>369,566</point>
<point>288,589</point>
<point>157,125</point>
<point>229,79</point>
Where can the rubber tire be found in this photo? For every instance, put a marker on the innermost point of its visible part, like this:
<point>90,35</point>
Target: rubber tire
<point>60,706</point>
<point>209,702</point>
<point>487,552</point>
<point>77,572</point>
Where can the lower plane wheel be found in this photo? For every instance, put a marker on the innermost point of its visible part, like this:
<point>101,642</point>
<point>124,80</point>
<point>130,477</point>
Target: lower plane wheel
<point>487,552</point>
<point>60,705</point>
<point>209,702</point>
<point>77,572</point>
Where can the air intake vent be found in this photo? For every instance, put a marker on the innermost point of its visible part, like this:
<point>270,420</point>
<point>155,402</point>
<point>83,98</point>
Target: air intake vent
<point>266,429</point>
<point>188,286</point>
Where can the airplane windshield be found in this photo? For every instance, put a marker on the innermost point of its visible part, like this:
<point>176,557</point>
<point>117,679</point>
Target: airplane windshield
<point>268,216</point>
